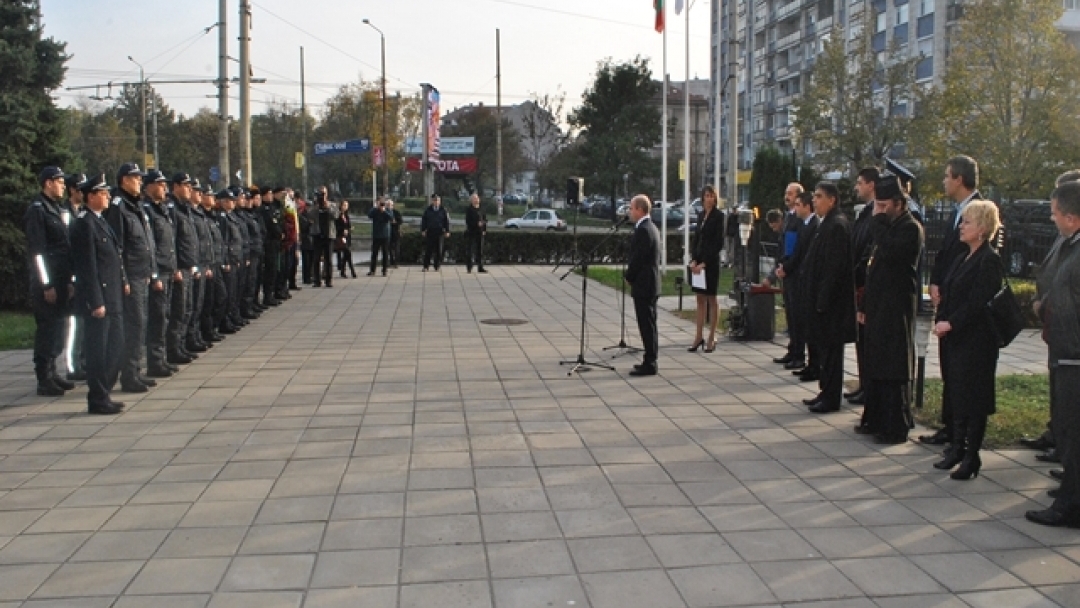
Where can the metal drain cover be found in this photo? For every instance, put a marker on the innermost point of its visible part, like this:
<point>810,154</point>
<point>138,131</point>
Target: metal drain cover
<point>503,321</point>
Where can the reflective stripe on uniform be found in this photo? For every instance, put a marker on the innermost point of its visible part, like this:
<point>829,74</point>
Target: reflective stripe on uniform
<point>43,273</point>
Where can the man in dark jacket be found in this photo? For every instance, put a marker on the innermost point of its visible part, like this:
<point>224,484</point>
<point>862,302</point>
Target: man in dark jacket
<point>204,282</point>
<point>795,357</point>
<point>395,234</point>
<point>99,272</point>
<point>831,293</point>
<point>131,225</point>
<point>887,315</point>
<point>187,266</point>
<point>215,285</point>
<point>862,243</point>
<point>322,233</point>
<point>643,275</point>
<point>161,288</point>
<point>791,270</point>
<point>75,356</point>
<point>434,227</point>
<point>475,230</point>
<point>1060,313</point>
<point>381,218</point>
<point>48,259</point>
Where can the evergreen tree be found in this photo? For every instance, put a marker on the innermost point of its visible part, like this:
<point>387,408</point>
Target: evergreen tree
<point>773,171</point>
<point>31,130</point>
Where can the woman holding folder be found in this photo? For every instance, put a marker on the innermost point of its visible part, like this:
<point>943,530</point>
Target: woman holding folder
<point>705,260</point>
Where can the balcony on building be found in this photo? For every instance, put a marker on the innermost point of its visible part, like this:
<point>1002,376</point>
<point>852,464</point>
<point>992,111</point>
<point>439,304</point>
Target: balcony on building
<point>785,11</point>
<point>789,40</point>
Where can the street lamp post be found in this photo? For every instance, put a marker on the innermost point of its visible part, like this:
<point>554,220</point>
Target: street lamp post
<point>142,92</point>
<point>385,142</point>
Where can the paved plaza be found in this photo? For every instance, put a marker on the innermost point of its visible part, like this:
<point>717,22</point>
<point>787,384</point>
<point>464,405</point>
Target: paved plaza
<point>376,445</point>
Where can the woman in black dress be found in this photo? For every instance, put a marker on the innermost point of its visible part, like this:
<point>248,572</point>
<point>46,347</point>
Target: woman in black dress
<point>705,258</point>
<point>969,350</point>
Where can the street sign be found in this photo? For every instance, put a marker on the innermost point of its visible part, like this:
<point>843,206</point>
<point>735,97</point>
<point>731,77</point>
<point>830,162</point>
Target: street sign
<point>215,174</point>
<point>377,156</point>
<point>299,161</point>
<point>447,145</point>
<point>349,146</point>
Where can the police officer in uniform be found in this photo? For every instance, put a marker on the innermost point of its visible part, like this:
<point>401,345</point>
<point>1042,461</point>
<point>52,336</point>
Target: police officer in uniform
<point>233,245</point>
<point>157,209</point>
<point>272,209</point>
<point>215,285</point>
<point>206,269</point>
<point>75,358</point>
<point>48,258</point>
<point>99,271</point>
<point>187,263</point>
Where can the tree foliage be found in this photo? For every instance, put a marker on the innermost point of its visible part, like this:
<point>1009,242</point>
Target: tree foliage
<point>856,108</point>
<point>1008,98</point>
<point>31,130</point>
<point>773,171</point>
<point>619,124</point>
<point>542,136</point>
<point>480,122</point>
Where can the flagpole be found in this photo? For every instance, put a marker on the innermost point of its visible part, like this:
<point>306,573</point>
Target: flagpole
<point>686,147</point>
<point>664,157</point>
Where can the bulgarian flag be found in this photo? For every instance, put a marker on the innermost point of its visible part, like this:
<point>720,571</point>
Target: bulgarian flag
<point>659,6</point>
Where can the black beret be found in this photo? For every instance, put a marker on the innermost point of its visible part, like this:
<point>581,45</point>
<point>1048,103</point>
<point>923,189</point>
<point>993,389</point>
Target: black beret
<point>887,188</point>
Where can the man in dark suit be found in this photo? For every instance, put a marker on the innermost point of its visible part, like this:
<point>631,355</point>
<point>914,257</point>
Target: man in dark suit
<point>887,314</point>
<point>475,229</point>
<point>862,243</point>
<point>102,286</point>
<point>831,293</point>
<point>790,270</point>
<point>795,356</point>
<point>960,184</point>
<point>643,275</point>
<point>435,228</point>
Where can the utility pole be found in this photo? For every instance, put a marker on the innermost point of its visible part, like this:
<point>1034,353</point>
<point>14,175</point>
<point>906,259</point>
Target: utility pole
<point>498,120</point>
<point>245,93</point>
<point>385,132</point>
<point>142,107</point>
<point>303,126</point>
<point>153,114</point>
<point>223,95</point>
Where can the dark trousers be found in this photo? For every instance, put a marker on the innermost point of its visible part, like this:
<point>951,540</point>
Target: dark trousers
<point>271,268</point>
<point>645,310</point>
<point>157,324</point>
<point>433,248</point>
<point>1064,382</point>
<point>888,407</point>
<point>197,300</point>
<point>946,403</point>
<point>254,280</point>
<point>474,251</point>
<point>292,263</point>
<point>322,267</point>
<point>105,341</point>
<point>133,333</point>
<point>236,296</point>
<point>307,259</point>
<point>860,358</point>
<point>223,317</point>
<point>344,258</point>
<point>796,348</point>
<point>832,373</point>
<point>212,299</point>
<point>179,313</point>
<point>48,342</point>
<point>394,250</point>
<point>378,245</point>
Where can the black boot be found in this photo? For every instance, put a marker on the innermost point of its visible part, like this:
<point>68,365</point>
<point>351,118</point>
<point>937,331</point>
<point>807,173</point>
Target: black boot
<point>976,431</point>
<point>57,380</point>
<point>957,451</point>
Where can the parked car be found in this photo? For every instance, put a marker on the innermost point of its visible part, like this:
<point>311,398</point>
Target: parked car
<point>601,209</point>
<point>1029,234</point>
<point>515,199</point>
<point>537,219</point>
<point>674,217</point>
<point>621,212</point>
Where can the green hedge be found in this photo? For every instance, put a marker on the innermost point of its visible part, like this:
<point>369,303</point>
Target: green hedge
<point>530,247</point>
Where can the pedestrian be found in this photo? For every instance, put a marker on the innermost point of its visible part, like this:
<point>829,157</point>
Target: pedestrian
<point>75,356</point>
<point>643,275</point>
<point>381,219</point>
<point>961,184</point>
<point>322,233</point>
<point>49,261</point>
<point>969,350</point>
<point>1060,313</point>
<point>304,212</point>
<point>475,231</point>
<point>99,272</point>
<point>862,244</point>
<point>795,357</point>
<point>887,314</point>
<point>343,240</point>
<point>705,260</point>
<point>289,242</point>
<point>131,225</point>
<point>435,229</point>
<point>161,288</point>
<point>830,296</point>
<point>395,234</point>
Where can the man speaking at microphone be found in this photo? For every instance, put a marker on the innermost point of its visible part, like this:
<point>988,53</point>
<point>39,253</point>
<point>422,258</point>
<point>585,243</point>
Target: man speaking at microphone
<point>643,275</point>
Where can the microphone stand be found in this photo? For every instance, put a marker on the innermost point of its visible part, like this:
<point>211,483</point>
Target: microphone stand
<point>580,364</point>
<point>622,346</point>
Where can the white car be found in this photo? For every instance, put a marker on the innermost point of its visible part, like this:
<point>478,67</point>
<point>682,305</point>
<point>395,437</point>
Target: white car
<point>537,219</point>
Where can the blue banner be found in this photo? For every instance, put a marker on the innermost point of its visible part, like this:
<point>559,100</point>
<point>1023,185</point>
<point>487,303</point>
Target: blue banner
<point>351,146</point>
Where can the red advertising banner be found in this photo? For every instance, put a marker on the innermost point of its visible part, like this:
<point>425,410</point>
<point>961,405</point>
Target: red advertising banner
<point>448,165</point>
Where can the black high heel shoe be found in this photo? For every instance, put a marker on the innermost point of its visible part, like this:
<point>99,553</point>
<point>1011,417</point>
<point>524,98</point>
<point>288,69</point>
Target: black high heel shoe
<point>968,469</point>
<point>952,458</point>
<point>697,345</point>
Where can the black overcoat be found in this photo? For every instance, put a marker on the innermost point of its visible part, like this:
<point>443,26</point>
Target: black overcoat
<point>831,282</point>
<point>969,352</point>
<point>891,297</point>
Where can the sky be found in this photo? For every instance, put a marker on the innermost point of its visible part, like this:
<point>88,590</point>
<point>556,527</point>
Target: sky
<point>547,46</point>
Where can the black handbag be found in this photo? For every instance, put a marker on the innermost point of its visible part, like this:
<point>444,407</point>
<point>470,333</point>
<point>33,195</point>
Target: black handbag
<point>1006,317</point>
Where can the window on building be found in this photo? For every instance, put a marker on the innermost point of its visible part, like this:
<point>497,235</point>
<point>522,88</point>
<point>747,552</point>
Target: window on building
<point>927,7</point>
<point>880,27</point>
<point>926,47</point>
<point>902,14</point>
<point>1071,4</point>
